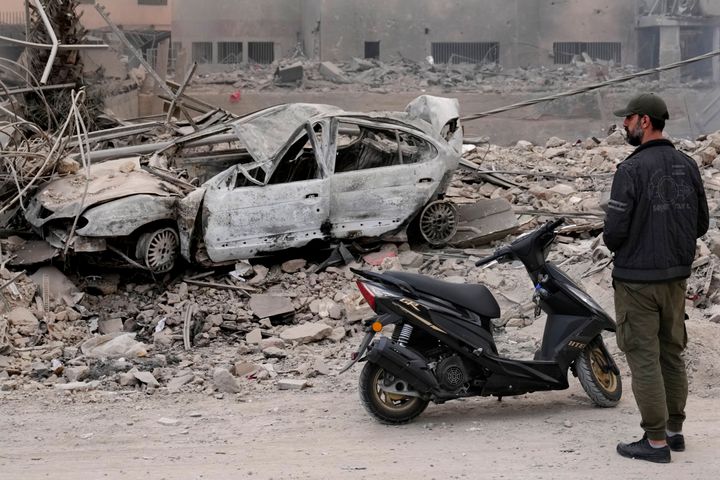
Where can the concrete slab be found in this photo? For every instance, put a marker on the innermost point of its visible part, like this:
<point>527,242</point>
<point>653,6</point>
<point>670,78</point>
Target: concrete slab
<point>332,72</point>
<point>265,306</point>
<point>290,74</point>
<point>484,221</point>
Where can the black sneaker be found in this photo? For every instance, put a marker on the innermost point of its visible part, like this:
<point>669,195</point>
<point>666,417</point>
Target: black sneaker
<point>676,442</point>
<point>642,450</point>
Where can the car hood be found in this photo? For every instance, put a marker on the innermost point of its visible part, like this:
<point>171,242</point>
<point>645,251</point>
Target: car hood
<point>71,194</point>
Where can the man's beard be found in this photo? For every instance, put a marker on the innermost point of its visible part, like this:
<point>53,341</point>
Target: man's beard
<point>634,138</point>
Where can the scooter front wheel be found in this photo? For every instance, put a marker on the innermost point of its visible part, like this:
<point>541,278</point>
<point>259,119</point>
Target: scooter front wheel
<point>603,386</point>
<point>386,407</point>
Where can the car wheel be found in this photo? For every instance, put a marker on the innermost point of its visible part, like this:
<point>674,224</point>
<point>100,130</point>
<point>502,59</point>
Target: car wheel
<point>438,222</point>
<point>158,249</point>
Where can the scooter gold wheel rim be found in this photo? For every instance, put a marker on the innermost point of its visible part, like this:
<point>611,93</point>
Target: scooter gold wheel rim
<point>605,377</point>
<point>391,401</point>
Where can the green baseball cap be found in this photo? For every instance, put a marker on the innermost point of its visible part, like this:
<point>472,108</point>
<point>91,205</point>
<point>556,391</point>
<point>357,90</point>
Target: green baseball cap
<point>645,104</point>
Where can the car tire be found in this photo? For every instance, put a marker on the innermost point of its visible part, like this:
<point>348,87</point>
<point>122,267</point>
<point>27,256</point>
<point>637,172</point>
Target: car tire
<point>158,249</point>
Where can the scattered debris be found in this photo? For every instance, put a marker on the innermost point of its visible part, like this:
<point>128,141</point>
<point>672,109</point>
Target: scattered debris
<point>267,306</point>
<point>214,189</point>
<point>403,75</point>
<point>331,72</point>
<point>290,74</point>
<point>122,345</point>
<point>307,332</point>
<point>289,384</point>
<point>224,381</point>
<point>484,221</point>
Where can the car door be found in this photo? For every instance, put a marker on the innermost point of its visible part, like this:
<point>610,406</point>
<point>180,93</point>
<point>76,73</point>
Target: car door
<point>382,175</point>
<point>244,216</point>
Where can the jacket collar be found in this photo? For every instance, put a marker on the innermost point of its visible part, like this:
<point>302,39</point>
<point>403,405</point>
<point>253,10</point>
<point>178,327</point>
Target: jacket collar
<point>653,143</point>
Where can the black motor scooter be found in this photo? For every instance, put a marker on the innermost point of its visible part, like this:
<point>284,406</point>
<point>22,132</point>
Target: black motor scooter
<point>442,346</point>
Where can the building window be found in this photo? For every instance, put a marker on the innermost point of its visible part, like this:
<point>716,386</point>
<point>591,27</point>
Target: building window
<point>466,52</point>
<point>202,52</point>
<point>564,52</point>
<point>175,48</point>
<point>152,2</point>
<point>230,52</point>
<point>261,52</point>
<point>372,49</point>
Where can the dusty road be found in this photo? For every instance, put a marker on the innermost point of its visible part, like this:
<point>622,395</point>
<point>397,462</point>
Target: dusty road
<point>323,433</point>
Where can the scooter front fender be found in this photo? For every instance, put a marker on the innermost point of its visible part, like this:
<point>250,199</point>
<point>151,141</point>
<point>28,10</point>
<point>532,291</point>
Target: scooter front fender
<point>566,336</point>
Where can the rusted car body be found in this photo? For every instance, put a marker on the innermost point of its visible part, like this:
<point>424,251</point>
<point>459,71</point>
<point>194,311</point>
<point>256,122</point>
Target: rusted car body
<point>275,179</point>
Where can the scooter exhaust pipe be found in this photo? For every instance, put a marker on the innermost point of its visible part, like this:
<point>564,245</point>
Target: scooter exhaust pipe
<point>403,363</point>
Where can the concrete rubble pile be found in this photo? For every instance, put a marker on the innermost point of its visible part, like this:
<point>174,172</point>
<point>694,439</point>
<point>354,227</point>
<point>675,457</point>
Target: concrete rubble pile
<point>405,75</point>
<point>290,325</point>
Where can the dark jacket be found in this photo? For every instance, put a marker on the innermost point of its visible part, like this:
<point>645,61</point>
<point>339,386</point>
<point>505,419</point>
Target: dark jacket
<point>657,210</point>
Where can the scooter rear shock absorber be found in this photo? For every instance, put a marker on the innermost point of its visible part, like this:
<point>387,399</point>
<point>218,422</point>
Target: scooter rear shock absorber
<point>405,334</point>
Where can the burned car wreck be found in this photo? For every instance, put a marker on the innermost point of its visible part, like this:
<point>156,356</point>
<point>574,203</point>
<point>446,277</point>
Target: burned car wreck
<point>276,179</point>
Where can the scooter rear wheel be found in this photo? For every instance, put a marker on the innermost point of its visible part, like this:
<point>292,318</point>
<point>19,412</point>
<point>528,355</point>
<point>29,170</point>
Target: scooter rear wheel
<point>603,386</point>
<point>386,407</point>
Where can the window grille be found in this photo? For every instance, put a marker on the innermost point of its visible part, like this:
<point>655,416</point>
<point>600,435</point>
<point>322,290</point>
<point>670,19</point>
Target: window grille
<point>151,55</point>
<point>13,18</point>
<point>466,52</point>
<point>565,51</point>
<point>175,48</point>
<point>230,52</point>
<point>202,52</point>
<point>261,52</point>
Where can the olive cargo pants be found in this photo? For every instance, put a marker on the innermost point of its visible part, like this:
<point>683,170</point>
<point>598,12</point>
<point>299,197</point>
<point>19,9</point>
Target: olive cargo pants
<point>651,331</point>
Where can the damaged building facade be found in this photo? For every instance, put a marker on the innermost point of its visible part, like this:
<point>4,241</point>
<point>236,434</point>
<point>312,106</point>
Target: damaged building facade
<point>516,33</point>
<point>146,23</point>
<point>130,14</point>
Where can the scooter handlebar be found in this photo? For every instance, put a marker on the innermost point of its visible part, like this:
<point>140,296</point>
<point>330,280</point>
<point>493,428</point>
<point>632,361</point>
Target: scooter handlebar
<point>501,252</point>
<point>550,226</point>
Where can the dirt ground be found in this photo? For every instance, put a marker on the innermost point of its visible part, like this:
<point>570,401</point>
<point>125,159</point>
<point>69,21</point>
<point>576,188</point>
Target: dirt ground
<point>324,433</point>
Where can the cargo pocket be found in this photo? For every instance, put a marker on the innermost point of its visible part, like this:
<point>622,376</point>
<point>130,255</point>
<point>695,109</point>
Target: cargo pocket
<point>623,333</point>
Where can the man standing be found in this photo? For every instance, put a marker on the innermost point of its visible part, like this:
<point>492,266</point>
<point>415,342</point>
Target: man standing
<point>657,210</point>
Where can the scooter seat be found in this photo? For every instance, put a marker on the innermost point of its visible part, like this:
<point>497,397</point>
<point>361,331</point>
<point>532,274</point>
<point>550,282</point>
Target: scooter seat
<point>476,298</point>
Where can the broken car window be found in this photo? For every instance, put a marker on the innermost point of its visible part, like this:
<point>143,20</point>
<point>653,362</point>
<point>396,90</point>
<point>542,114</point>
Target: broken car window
<point>300,161</point>
<point>360,147</point>
<point>253,175</point>
<point>205,161</point>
